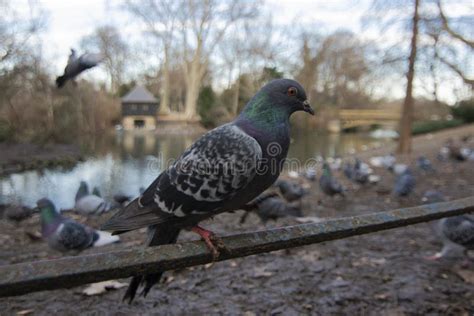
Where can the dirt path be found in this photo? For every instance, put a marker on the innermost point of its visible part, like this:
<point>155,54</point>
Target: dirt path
<point>377,274</point>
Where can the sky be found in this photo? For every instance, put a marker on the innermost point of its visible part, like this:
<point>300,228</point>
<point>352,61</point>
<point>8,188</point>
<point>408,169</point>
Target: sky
<point>69,21</point>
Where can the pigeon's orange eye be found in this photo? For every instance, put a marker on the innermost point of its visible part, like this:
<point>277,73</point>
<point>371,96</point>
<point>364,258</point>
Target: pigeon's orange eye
<point>292,91</point>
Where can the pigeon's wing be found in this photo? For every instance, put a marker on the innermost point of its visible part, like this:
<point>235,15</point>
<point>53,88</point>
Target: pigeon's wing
<point>89,60</point>
<point>215,168</point>
<point>74,236</point>
<point>460,229</point>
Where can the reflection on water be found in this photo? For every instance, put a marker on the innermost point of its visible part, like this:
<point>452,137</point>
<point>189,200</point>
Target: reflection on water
<point>124,162</point>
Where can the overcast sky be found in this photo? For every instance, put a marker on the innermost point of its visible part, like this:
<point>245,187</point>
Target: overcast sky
<point>69,21</point>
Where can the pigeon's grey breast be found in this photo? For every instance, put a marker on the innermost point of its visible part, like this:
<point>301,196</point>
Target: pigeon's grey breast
<point>459,229</point>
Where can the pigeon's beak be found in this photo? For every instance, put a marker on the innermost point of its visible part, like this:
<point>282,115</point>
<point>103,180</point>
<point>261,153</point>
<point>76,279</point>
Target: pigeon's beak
<point>307,107</point>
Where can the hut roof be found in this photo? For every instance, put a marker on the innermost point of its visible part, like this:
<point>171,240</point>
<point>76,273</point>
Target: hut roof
<point>139,94</point>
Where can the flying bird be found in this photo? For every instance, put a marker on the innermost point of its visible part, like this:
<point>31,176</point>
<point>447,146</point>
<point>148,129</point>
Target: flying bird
<point>90,204</point>
<point>76,65</point>
<point>200,185</point>
<point>328,184</point>
<point>66,235</point>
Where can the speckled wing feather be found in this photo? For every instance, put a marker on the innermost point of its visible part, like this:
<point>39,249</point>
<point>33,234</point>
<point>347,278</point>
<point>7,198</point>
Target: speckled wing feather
<point>460,229</point>
<point>215,168</point>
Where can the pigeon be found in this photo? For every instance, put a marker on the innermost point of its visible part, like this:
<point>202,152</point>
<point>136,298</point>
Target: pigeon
<point>96,192</point>
<point>272,208</point>
<point>328,183</point>
<point>424,164</point>
<point>432,196</point>
<point>76,65</point>
<point>386,162</point>
<point>404,183</point>
<point>90,204</point>
<point>457,234</point>
<point>18,213</point>
<point>290,190</point>
<point>122,198</point>
<point>334,163</point>
<point>310,174</point>
<point>398,168</point>
<point>456,152</point>
<point>358,173</point>
<point>66,235</point>
<point>221,171</point>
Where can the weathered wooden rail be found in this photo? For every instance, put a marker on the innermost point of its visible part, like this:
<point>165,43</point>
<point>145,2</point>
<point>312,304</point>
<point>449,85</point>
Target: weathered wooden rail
<point>68,272</point>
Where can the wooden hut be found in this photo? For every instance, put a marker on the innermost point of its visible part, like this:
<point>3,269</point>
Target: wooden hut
<point>139,108</point>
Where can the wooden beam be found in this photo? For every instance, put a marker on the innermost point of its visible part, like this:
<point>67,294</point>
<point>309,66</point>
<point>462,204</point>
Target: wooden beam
<point>22,278</point>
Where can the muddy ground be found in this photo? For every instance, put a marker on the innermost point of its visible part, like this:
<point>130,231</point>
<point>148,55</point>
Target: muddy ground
<point>382,273</point>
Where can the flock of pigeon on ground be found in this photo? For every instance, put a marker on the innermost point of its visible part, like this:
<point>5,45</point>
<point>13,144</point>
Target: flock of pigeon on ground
<point>182,195</point>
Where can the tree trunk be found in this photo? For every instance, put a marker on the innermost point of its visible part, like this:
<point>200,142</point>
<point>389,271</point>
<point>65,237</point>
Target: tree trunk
<point>193,83</point>
<point>404,145</point>
<point>165,90</point>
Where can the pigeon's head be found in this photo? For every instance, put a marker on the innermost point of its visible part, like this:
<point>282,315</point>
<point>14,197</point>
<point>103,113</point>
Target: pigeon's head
<point>276,101</point>
<point>287,94</point>
<point>48,213</point>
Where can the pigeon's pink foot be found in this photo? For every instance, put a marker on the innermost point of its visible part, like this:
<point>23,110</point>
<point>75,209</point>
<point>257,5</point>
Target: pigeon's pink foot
<point>213,242</point>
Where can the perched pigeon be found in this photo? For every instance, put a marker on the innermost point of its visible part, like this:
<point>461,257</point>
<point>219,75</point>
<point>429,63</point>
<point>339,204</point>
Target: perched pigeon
<point>424,164</point>
<point>17,213</point>
<point>222,171</point>
<point>272,208</point>
<point>328,183</point>
<point>90,204</point>
<point>77,65</point>
<point>66,235</point>
<point>290,190</point>
<point>457,234</point>
<point>404,183</point>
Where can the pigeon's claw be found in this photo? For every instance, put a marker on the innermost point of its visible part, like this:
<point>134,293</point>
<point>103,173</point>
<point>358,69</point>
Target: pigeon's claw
<point>213,242</point>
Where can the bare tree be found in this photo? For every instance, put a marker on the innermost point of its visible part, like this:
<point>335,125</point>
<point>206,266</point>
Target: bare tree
<point>160,19</point>
<point>203,26</point>
<point>115,50</point>
<point>404,144</point>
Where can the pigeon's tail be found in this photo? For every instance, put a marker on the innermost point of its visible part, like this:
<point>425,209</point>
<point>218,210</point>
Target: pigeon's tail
<point>104,238</point>
<point>133,216</point>
<point>159,235</point>
<point>60,81</point>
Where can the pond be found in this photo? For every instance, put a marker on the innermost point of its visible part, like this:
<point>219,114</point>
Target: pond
<point>126,161</point>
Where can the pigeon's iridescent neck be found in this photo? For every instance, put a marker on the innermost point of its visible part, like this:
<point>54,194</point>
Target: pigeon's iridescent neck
<point>263,115</point>
<point>50,220</point>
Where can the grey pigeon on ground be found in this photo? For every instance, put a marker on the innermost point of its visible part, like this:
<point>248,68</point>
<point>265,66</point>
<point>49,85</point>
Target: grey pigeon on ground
<point>359,172</point>
<point>76,65</point>
<point>310,174</point>
<point>328,184</point>
<point>96,192</point>
<point>386,161</point>
<point>222,171</point>
<point>66,235</point>
<point>456,233</point>
<point>90,204</point>
<point>424,164</point>
<point>404,183</point>
<point>17,213</point>
<point>272,208</point>
<point>290,190</point>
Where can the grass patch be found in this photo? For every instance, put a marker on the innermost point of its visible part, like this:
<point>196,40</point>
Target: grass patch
<point>424,127</point>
